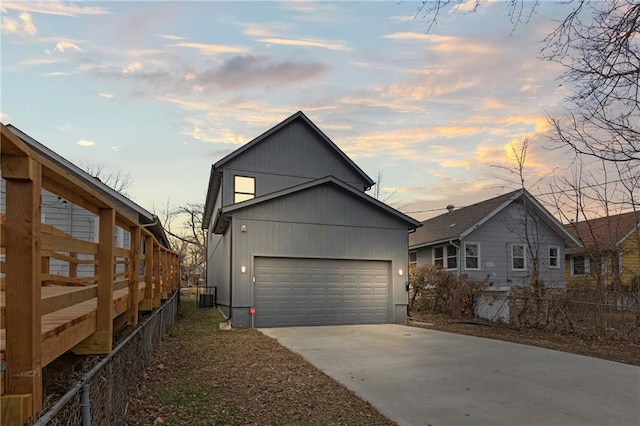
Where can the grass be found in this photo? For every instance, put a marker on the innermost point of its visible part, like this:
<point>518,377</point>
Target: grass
<point>201,375</point>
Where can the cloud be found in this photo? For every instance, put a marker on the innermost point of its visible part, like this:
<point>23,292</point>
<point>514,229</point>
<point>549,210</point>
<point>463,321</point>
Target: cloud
<point>306,43</point>
<point>171,37</point>
<point>23,27</point>
<point>211,49</point>
<point>65,45</point>
<point>444,44</point>
<point>41,61</point>
<point>57,73</point>
<point>54,8</point>
<point>247,71</point>
<point>84,142</point>
<point>106,95</point>
<point>131,68</point>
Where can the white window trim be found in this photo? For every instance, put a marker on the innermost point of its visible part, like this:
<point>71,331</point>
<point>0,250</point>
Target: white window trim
<point>464,255</point>
<point>557,257</point>
<point>416,262</point>
<point>524,254</point>
<point>446,256</point>
<point>587,266</point>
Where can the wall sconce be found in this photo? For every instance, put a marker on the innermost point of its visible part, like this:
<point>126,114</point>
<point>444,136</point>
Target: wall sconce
<point>243,269</point>
<point>400,272</point>
<point>243,228</point>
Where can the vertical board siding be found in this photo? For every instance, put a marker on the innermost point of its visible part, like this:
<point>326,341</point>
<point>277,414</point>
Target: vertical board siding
<point>319,223</point>
<point>293,155</point>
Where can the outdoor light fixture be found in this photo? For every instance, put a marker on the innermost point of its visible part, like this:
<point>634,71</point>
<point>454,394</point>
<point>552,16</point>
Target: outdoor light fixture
<point>400,272</point>
<point>243,269</point>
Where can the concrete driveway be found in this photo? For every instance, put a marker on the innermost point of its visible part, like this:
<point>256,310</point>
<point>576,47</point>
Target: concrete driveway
<point>424,377</point>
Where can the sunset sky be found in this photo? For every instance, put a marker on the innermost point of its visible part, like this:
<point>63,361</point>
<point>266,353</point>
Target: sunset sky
<point>163,90</point>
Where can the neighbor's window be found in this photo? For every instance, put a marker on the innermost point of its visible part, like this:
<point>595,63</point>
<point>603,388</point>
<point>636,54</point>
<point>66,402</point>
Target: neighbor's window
<point>518,260</point>
<point>579,266</point>
<point>413,258</point>
<point>554,257</point>
<point>244,188</point>
<point>471,255</point>
<point>446,256</point>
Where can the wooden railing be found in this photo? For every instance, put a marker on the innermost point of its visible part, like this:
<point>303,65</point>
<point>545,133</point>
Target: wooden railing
<point>42,314</point>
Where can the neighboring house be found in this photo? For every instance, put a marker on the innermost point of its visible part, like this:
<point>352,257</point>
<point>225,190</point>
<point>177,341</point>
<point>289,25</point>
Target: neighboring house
<point>495,240</point>
<point>75,220</point>
<point>610,252</point>
<point>292,234</point>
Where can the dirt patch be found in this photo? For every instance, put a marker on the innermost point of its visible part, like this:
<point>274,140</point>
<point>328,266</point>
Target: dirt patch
<point>625,351</point>
<point>202,375</point>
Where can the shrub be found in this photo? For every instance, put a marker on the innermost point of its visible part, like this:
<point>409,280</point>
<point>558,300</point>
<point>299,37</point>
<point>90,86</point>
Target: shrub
<point>436,291</point>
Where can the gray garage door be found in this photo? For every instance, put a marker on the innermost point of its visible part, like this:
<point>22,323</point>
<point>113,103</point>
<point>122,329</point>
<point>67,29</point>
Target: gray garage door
<point>292,292</point>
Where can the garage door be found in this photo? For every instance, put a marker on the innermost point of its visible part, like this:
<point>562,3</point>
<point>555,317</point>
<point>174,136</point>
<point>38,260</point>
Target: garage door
<point>293,292</point>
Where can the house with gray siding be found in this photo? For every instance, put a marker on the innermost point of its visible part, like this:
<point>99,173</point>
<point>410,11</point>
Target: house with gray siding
<point>293,237</point>
<point>496,241</point>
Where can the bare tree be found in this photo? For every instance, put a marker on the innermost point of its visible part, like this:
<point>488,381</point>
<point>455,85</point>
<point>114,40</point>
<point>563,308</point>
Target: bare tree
<point>601,57</point>
<point>597,44</point>
<point>117,179</point>
<point>187,238</point>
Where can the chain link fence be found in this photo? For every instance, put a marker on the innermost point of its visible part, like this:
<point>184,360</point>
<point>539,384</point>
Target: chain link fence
<point>101,396</point>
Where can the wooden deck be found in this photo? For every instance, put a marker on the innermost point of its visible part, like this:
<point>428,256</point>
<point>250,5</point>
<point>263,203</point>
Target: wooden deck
<point>65,327</point>
<point>44,314</point>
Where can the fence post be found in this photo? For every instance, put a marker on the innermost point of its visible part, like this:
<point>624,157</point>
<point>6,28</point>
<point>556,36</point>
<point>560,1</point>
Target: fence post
<point>101,341</point>
<point>23,395</point>
<point>134,275</point>
<point>147,302</point>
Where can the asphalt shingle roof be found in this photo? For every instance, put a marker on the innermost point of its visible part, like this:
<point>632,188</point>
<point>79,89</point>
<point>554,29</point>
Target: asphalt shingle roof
<point>607,231</point>
<point>450,226</point>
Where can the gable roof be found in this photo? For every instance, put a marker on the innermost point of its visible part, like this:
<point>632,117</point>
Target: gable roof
<point>144,217</point>
<point>460,223</point>
<point>607,231</point>
<point>215,179</point>
<point>221,225</point>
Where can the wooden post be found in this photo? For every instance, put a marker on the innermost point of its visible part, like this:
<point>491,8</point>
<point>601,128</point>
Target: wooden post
<point>23,293</point>
<point>165,274</point>
<point>134,274</point>
<point>156,275</point>
<point>101,341</point>
<point>147,303</point>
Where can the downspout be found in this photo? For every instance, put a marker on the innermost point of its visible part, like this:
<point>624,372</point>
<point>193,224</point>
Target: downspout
<point>231,271</point>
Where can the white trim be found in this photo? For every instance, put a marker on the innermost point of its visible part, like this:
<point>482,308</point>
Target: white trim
<point>446,256</point>
<point>558,257</point>
<point>464,256</point>
<point>524,257</point>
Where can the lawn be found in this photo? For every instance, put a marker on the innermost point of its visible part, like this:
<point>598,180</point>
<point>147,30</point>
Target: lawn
<point>201,375</point>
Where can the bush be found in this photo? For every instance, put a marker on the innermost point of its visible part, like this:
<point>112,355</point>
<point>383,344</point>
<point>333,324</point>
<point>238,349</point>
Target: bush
<point>432,290</point>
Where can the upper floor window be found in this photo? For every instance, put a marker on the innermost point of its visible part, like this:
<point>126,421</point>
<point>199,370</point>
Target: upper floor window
<point>244,188</point>
<point>413,258</point>
<point>554,257</point>
<point>580,266</point>
<point>472,256</point>
<point>446,256</point>
<point>518,257</point>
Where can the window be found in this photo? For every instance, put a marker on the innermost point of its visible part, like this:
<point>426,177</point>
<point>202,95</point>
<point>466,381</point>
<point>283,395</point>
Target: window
<point>472,256</point>
<point>518,257</point>
<point>413,258</point>
<point>579,266</point>
<point>244,188</point>
<point>554,257</point>
<point>446,256</point>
